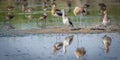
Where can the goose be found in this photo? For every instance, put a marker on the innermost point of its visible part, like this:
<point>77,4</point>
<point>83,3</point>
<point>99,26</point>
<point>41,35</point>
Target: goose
<point>67,42</point>
<point>106,42</point>
<point>79,52</point>
<point>106,20</point>
<point>56,46</point>
<point>66,20</point>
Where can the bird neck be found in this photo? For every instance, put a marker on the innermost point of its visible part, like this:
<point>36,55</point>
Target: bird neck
<point>63,15</point>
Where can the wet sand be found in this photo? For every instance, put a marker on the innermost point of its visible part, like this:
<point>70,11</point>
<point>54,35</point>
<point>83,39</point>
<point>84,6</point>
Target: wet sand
<point>80,29</point>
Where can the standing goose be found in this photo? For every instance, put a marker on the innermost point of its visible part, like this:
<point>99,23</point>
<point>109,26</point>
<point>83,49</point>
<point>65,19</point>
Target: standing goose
<point>57,46</point>
<point>107,42</point>
<point>66,20</point>
<point>67,42</point>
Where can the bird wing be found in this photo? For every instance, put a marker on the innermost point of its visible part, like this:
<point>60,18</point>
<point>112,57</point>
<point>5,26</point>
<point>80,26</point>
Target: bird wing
<point>58,12</point>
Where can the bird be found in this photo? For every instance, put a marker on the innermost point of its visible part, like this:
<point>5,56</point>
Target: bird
<point>66,20</point>
<point>67,42</point>
<point>54,11</point>
<point>85,9</point>
<point>43,18</point>
<point>56,46</point>
<point>29,10</point>
<point>29,17</point>
<point>106,42</point>
<point>44,6</point>
<point>79,52</point>
<point>106,19</point>
<point>78,12</point>
<point>9,16</point>
<point>24,5</point>
<point>10,8</point>
<point>103,7</point>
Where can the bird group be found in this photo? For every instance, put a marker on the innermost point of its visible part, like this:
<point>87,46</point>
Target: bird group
<point>61,13</point>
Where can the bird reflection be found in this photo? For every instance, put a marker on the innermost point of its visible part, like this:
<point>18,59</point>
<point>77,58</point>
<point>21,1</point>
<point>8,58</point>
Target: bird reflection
<point>62,45</point>
<point>57,46</point>
<point>107,42</point>
<point>67,42</point>
<point>79,52</point>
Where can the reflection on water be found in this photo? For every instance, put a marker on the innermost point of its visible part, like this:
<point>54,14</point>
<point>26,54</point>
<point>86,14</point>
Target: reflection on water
<point>42,47</point>
<point>107,42</point>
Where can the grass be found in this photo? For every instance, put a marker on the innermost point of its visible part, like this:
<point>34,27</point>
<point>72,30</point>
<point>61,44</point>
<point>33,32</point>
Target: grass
<point>93,17</point>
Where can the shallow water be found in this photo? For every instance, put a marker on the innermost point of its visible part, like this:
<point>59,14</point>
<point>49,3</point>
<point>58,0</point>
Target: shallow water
<point>39,47</point>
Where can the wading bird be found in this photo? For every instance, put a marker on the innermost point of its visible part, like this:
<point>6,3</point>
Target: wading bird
<point>43,18</point>
<point>106,19</point>
<point>66,20</point>
<point>54,11</point>
<point>106,42</point>
<point>80,11</point>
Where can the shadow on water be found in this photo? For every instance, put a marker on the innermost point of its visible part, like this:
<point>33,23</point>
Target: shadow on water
<point>104,46</point>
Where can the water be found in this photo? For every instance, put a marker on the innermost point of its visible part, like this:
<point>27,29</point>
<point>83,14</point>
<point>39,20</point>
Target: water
<point>39,47</point>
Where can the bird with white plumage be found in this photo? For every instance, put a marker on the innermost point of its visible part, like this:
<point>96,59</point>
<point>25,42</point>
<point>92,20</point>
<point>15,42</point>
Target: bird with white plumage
<point>66,20</point>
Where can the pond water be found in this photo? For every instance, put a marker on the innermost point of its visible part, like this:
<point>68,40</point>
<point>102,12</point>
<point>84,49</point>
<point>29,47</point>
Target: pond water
<point>39,47</point>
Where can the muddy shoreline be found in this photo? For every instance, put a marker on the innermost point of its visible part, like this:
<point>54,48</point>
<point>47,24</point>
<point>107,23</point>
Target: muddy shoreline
<point>80,29</point>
